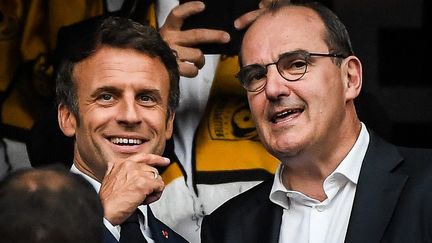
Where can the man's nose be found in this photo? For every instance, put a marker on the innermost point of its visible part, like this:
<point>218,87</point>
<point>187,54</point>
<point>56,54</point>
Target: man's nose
<point>128,113</point>
<point>276,85</point>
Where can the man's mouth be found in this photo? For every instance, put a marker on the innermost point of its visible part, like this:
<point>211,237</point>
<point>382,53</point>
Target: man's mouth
<point>285,115</point>
<point>126,141</point>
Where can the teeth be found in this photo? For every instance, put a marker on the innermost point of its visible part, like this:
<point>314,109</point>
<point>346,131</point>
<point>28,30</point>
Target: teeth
<point>126,141</point>
<point>285,114</point>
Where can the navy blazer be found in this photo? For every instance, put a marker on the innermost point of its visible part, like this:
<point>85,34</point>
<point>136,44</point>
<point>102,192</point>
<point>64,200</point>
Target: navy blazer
<point>393,203</point>
<point>160,232</point>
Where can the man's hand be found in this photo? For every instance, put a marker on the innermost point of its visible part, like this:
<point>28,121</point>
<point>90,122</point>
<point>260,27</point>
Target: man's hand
<point>130,183</point>
<point>189,59</point>
<point>247,18</point>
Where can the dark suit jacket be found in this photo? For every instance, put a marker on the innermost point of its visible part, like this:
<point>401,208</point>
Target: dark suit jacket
<point>393,203</point>
<point>160,232</point>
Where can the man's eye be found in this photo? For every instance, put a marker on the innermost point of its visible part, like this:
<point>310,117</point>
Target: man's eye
<point>256,75</point>
<point>297,64</point>
<point>106,97</point>
<point>147,99</point>
<point>259,75</point>
<point>144,98</point>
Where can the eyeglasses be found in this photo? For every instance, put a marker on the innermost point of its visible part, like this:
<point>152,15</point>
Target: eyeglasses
<point>292,66</point>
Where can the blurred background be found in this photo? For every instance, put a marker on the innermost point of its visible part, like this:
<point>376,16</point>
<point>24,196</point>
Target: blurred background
<point>390,38</point>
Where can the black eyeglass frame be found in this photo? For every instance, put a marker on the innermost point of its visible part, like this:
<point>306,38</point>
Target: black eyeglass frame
<point>306,55</point>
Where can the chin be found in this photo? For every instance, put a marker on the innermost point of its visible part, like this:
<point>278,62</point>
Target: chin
<point>285,148</point>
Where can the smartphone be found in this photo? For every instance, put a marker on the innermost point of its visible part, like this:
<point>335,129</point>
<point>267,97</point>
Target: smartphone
<point>220,15</point>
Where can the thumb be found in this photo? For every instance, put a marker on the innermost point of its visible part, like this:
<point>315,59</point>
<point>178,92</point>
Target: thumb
<point>110,167</point>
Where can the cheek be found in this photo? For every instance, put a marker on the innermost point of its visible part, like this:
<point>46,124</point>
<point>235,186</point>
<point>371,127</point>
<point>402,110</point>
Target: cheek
<point>333,99</point>
<point>256,105</point>
<point>327,106</point>
<point>156,119</point>
<point>94,118</point>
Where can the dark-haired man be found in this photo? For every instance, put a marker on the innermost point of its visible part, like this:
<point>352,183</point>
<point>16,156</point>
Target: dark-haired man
<point>117,91</point>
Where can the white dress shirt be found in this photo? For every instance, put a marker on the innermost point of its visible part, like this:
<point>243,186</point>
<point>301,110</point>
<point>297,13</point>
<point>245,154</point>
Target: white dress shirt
<point>307,220</point>
<point>115,229</point>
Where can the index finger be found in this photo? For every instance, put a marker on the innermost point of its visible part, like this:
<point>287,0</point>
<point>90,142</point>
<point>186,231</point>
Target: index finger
<point>199,36</point>
<point>148,159</point>
<point>181,12</point>
<point>247,18</point>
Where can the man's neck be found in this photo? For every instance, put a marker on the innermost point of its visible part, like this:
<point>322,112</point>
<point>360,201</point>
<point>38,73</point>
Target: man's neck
<point>306,171</point>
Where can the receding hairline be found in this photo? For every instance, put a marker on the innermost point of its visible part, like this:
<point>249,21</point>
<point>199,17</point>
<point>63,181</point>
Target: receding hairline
<point>308,13</point>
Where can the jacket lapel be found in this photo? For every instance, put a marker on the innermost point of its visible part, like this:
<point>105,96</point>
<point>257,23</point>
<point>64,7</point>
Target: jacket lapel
<point>108,237</point>
<point>377,193</point>
<point>160,231</point>
<point>263,222</point>
<point>272,218</point>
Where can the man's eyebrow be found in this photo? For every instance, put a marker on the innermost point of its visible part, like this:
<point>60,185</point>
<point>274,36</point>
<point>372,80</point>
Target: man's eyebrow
<point>105,89</point>
<point>296,51</point>
<point>116,91</point>
<point>148,90</point>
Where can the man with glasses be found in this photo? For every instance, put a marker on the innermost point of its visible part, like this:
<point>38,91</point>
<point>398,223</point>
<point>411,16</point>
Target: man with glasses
<point>338,181</point>
<point>292,66</point>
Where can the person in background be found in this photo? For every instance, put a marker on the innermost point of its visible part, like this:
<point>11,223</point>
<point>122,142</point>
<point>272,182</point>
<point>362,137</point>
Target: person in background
<point>49,205</point>
<point>117,89</point>
<point>337,181</point>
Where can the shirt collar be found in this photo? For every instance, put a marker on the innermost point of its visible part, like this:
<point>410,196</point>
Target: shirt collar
<point>96,185</point>
<point>351,164</point>
<point>349,167</point>
<point>278,193</point>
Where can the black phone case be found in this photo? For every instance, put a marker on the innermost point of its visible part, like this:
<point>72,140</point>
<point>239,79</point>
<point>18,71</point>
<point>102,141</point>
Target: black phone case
<point>220,15</point>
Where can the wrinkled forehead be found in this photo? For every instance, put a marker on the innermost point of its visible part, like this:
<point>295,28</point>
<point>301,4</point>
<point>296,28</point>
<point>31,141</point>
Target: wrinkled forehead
<point>289,28</point>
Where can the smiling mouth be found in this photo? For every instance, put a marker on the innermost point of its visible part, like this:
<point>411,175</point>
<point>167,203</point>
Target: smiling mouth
<point>126,141</point>
<point>285,115</point>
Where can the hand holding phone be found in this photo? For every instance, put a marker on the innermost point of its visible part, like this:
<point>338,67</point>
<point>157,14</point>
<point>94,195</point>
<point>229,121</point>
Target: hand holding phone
<point>183,42</point>
<point>220,15</point>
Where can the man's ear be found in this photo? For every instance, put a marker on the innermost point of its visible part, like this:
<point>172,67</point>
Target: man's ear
<point>352,77</point>
<point>170,126</point>
<point>67,120</point>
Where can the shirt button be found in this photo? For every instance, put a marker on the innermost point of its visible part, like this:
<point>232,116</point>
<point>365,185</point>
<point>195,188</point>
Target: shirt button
<point>320,208</point>
<point>332,181</point>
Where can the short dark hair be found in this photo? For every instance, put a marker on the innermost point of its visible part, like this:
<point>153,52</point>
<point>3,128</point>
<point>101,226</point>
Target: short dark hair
<point>49,205</point>
<point>336,35</point>
<point>80,41</point>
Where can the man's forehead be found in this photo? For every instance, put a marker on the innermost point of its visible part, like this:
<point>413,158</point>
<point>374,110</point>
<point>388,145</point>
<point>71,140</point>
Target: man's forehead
<point>109,63</point>
<point>289,29</point>
<point>287,17</point>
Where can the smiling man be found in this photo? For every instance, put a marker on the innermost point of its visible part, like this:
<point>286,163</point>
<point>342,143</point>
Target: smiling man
<point>118,91</point>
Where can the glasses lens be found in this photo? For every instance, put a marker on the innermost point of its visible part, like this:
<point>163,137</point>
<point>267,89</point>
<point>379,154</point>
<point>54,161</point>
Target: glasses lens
<point>292,66</point>
<point>252,77</point>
